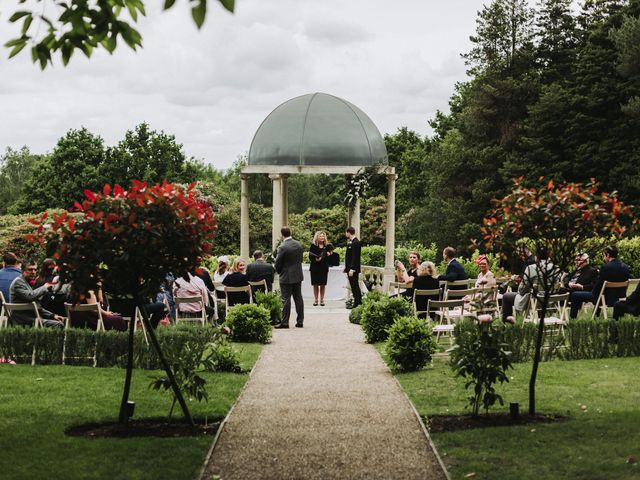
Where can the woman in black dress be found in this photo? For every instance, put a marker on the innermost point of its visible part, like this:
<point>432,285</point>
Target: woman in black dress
<point>319,267</point>
<point>426,279</point>
<point>237,278</point>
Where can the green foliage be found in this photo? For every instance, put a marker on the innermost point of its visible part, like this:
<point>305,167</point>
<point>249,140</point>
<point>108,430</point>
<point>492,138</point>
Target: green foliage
<point>355,315</point>
<point>410,344</point>
<point>228,234</point>
<point>13,229</point>
<point>249,323</point>
<point>271,301</point>
<point>480,356</point>
<point>629,253</point>
<point>15,168</point>
<point>85,26</point>
<point>379,315</point>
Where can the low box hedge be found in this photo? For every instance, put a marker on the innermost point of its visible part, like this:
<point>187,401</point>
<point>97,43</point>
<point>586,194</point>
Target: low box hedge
<point>79,344</point>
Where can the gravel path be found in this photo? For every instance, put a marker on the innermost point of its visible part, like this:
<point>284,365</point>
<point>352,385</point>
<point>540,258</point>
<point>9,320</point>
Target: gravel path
<point>321,404</point>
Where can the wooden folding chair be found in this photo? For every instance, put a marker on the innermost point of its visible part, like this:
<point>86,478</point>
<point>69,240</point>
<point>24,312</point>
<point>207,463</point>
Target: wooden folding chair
<point>197,316</point>
<point>601,301</point>
<point>423,293</point>
<point>227,290</point>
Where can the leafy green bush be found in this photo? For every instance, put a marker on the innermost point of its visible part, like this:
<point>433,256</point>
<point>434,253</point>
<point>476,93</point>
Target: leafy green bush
<point>355,315</point>
<point>480,355</point>
<point>374,296</point>
<point>272,301</point>
<point>378,316</point>
<point>225,358</point>
<point>410,344</point>
<point>629,253</point>
<point>249,323</point>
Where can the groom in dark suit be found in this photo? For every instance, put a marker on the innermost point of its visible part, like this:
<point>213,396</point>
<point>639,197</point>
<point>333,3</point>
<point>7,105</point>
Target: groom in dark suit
<point>289,267</point>
<point>352,265</point>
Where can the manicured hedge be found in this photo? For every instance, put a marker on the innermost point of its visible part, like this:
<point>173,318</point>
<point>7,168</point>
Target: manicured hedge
<point>583,339</point>
<point>18,343</point>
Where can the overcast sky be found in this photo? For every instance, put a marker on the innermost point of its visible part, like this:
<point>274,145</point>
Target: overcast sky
<point>211,88</point>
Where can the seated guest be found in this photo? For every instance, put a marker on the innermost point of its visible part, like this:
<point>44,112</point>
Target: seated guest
<point>237,278</point>
<point>84,319</point>
<point>408,276</point>
<point>47,272</point>
<point>535,276</point>
<point>425,280</point>
<point>583,278</point>
<point>221,272</point>
<point>455,271</point>
<point>156,311</point>
<point>612,271</point>
<point>485,277</point>
<point>333,259</point>
<point>189,285</point>
<point>9,273</point>
<point>55,299</point>
<point>22,292</point>
<point>629,305</point>
<point>260,270</point>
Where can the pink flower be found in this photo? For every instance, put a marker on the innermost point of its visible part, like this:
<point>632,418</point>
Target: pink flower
<point>226,330</point>
<point>485,318</point>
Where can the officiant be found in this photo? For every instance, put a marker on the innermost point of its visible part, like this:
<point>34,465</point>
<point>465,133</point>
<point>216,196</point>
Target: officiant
<point>319,266</point>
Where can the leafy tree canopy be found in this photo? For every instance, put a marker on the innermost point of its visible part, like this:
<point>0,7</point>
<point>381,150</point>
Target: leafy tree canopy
<point>84,25</point>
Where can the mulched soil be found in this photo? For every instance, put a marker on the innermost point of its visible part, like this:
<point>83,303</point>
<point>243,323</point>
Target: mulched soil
<point>147,427</point>
<point>453,423</point>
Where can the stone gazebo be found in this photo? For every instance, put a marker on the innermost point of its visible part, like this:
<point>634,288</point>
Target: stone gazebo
<point>316,133</point>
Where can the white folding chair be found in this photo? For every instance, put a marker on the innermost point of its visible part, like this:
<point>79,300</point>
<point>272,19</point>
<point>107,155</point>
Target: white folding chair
<point>261,284</point>
<point>197,316</point>
<point>88,307</point>
<point>37,319</point>
<point>227,290</point>
<point>396,288</point>
<point>417,293</point>
<point>4,317</point>
<point>601,302</point>
<point>444,309</point>
<point>466,309</point>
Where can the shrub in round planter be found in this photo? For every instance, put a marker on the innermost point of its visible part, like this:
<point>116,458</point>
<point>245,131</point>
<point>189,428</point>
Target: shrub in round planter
<point>249,323</point>
<point>410,344</point>
<point>378,316</point>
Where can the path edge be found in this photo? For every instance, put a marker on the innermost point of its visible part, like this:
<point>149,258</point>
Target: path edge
<point>423,426</point>
<point>207,459</point>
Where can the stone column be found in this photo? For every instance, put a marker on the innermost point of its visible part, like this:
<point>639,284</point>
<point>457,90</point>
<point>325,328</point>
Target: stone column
<point>390,237</point>
<point>354,217</point>
<point>276,223</point>
<point>244,216</point>
<point>284,185</point>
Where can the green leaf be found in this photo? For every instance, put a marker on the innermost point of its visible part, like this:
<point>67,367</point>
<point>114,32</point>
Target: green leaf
<point>168,4</point>
<point>18,15</point>
<point>228,4</point>
<point>17,49</point>
<point>133,12</point>
<point>67,52</point>
<point>26,24</point>
<point>199,12</point>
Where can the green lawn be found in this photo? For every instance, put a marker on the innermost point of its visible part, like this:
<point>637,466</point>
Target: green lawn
<point>594,444</point>
<point>38,403</point>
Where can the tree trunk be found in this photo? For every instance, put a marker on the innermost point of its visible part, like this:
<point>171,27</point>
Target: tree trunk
<point>124,415</point>
<point>536,356</point>
<point>172,379</point>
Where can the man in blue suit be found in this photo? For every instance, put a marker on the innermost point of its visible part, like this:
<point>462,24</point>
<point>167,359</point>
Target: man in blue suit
<point>613,271</point>
<point>455,270</point>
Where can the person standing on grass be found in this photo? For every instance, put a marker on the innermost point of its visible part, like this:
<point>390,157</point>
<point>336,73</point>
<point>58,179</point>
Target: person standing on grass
<point>289,266</point>
<point>352,265</point>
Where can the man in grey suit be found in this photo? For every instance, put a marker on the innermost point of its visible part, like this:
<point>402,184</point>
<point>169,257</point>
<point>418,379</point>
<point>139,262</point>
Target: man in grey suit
<point>21,292</point>
<point>289,267</point>
<point>260,270</point>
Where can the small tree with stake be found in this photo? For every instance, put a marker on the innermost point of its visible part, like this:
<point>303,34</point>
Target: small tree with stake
<point>561,219</point>
<point>131,239</point>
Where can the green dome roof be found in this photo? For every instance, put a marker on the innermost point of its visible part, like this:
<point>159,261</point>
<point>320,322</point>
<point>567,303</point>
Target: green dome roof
<point>318,129</point>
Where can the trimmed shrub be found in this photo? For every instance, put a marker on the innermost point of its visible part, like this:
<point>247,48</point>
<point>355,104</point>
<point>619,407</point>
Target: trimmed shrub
<point>249,323</point>
<point>272,301</point>
<point>355,315</point>
<point>378,316</point>
<point>225,358</point>
<point>410,344</point>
